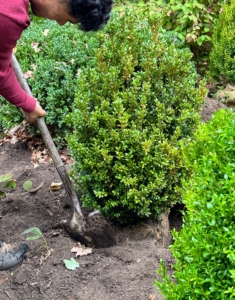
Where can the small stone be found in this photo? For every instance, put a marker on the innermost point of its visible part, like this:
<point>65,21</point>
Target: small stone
<point>20,277</point>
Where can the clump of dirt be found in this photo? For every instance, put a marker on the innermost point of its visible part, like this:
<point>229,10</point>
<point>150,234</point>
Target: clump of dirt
<point>210,107</point>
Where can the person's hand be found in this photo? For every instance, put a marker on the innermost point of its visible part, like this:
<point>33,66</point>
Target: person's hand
<point>35,114</point>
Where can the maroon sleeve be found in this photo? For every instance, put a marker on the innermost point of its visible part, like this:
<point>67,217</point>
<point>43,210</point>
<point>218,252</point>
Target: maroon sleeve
<point>10,88</point>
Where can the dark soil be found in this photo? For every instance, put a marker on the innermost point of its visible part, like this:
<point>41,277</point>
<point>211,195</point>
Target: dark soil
<point>125,271</point>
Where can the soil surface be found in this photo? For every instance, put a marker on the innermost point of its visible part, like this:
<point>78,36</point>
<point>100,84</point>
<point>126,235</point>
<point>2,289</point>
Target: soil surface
<point>125,271</point>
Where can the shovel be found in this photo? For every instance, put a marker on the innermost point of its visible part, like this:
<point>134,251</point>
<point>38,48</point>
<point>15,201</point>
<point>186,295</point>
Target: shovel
<point>93,230</point>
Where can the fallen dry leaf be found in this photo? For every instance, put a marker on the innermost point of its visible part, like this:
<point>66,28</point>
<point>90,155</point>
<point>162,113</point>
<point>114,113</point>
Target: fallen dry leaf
<point>34,45</point>
<point>169,13</point>
<point>34,67</point>
<point>45,32</point>
<point>81,250</point>
<point>3,280</point>
<point>45,256</point>
<point>55,186</point>
<point>14,129</point>
<point>17,134</point>
<point>28,74</point>
<point>14,140</point>
<point>69,161</point>
<point>79,71</point>
<point>55,233</point>
<point>36,156</point>
<point>151,297</point>
<point>63,157</point>
<point>48,285</point>
<point>50,213</point>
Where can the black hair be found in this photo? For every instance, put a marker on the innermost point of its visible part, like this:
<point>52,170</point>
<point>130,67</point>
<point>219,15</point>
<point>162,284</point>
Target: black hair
<point>91,14</point>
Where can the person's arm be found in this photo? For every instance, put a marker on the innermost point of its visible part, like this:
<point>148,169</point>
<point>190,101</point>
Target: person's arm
<point>10,88</point>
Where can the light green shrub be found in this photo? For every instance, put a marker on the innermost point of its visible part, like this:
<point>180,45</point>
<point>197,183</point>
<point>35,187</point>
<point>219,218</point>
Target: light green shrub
<point>132,109</point>
<point>222,56</point>
<point>204,250</point>
<point>192,21</point>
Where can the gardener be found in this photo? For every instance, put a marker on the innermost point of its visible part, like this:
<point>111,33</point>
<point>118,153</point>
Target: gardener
<point>14,18</point>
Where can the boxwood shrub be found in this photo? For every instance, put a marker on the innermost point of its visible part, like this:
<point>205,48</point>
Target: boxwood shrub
<point>222,60</point>
<point>132,108</point>
<point>192,21</point>
<point>204,250</point>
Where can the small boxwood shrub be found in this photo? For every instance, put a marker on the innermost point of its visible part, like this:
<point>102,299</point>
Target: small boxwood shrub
<point>192,21</point>
<point>204,250</point>
<point>222,59</point>
<point>54,55</point>
<point>132,109</point>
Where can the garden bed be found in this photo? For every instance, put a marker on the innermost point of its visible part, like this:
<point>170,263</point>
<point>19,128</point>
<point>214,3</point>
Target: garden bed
<point>125,271</point>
